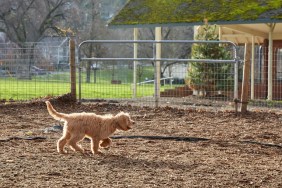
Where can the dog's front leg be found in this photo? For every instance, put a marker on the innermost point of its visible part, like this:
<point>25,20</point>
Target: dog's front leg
<point>95,146</point>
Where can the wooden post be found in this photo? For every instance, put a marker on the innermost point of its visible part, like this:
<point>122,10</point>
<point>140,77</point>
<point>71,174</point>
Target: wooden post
<point>135,54</point>
<point>246,77</point>
<point>158,37</point>
<point>270,63</point>
<point>72,68</point>
<point>253,69</point>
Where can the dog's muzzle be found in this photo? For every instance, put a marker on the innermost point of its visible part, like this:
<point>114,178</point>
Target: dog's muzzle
<point>129,126</point>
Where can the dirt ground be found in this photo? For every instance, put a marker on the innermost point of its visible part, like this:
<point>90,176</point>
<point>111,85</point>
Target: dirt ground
<point>168,147</point>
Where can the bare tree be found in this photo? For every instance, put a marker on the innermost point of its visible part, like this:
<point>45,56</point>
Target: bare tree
<point>28,20</point>
<point>180,51</point>
<point>91,25</point>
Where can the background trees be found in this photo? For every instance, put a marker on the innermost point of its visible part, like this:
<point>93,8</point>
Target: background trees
<point>91,24</point>
<point>28,20</point>
<point>172,50</point>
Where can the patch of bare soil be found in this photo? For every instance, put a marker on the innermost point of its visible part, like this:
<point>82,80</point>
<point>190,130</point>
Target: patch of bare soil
<point>168,147</point>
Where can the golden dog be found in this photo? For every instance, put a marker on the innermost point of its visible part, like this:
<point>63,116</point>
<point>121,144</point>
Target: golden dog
<point>96,127</point>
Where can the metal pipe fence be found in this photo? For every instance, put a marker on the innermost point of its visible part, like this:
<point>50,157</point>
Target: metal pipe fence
<point>165,95</point>
<point>42,69</point>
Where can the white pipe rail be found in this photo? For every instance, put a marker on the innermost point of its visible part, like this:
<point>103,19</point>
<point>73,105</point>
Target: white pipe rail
<point>235,59</point>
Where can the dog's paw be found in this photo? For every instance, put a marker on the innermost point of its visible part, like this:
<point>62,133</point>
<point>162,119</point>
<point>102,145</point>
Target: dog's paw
<point>98,153</point>
<point>106,143</point>
<point>63,152</point>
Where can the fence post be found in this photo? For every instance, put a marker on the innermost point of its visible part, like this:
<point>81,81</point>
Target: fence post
<point>135,54</point>
<point>158,37</point>
<point>253,70</point>
<point>246,76</point>
<point>72,68</point>
<point>270,62</point>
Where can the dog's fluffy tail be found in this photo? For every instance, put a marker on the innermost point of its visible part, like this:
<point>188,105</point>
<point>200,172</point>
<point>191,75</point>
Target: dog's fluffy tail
<point>56,115</point>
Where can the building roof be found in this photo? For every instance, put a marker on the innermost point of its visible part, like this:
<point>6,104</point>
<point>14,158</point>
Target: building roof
<point>137,13</point>
<point>240,19</point>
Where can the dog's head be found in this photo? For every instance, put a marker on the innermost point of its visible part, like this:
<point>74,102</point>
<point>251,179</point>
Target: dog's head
<point>124,122</point>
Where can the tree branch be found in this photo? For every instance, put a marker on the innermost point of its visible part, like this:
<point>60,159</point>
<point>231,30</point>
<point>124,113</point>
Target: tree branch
<point>48,20</point>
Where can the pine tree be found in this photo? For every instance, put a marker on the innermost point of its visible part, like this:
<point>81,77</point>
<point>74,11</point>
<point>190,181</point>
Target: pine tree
<point>207,77</point>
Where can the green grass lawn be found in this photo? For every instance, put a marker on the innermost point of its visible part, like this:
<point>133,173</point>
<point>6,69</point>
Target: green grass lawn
<point>59,83</point>
<point>28,89</point>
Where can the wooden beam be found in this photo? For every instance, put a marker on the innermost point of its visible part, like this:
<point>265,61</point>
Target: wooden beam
<point>242,29</point>
<point>236,35</point>
<point>258,41</point>
<point>277,36</point>
<point>246,76</point>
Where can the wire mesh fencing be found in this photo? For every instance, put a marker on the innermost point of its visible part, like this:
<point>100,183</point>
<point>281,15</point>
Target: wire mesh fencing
<point>115,84</point>
<point>183,81</point>
<point>34,70</point>
<point>259,81</point>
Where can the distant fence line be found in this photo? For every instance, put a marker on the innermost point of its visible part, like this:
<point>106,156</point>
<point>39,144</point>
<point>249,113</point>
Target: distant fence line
<point>34,70</point>
<point>52,70</point>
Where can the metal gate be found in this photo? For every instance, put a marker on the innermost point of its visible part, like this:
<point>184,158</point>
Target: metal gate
<point>157,62</point>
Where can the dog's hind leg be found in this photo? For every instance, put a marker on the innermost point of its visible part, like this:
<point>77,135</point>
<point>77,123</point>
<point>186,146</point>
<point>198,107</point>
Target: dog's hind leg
<point>95,146</point>
<point>62,142</point>
<point>73,142</point>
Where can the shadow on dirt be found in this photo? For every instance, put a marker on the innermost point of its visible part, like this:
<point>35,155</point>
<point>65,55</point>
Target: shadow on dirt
<point>173,138</point>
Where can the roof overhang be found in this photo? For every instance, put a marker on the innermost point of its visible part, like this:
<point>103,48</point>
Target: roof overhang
<point>240,21</point>
<point>244,33</point>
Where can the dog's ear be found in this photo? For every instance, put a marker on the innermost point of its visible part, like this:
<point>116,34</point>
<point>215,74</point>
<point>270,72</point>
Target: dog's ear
<point>119,127</point>
<point>120,121</point>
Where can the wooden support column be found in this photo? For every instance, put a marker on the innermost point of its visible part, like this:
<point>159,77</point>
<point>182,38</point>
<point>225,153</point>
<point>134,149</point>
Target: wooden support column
<point>135,48</point>
<point>246,77</point>
<point>158,37</point>
<point>253,69</point>
<point>220,34</point>
<point>270,62</point>
<point>72,68</point>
